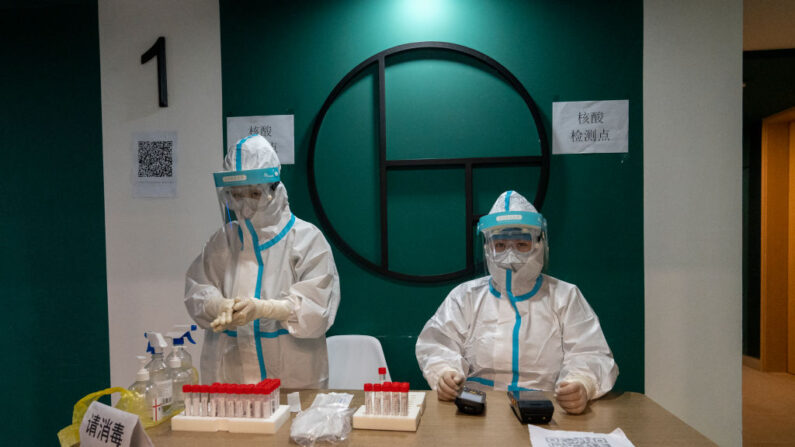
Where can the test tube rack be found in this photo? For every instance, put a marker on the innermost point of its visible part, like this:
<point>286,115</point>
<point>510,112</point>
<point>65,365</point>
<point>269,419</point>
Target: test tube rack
<point>393,423</point>
<point>266,426</point>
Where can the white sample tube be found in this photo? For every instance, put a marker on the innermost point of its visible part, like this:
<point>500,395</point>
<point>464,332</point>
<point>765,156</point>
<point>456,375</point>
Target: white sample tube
<point>247,413</point>
<point>404,399</point>
<point>386,399</point>
<point>377,399</point>
<point>395,398</point>
<point>211,401</point>
<point>230,401</point>
<point>220,401</point>
<point>187,392</point>
<point>267,404</point>
<point>239,402</point>
<point>277,396</point>
<point>368,398</point>
<point>203,401</point>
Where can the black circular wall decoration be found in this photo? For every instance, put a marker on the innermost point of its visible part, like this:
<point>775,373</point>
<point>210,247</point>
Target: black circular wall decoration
<point>468,164</point>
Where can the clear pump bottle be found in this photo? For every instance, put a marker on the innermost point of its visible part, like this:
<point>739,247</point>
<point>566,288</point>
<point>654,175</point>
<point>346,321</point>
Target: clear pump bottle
<point>145,388</point>
<point>158,372</point>
<point>179,377</point>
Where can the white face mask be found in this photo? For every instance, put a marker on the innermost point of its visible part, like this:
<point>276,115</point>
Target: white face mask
<point>511,259</point>
<point>248,207</point>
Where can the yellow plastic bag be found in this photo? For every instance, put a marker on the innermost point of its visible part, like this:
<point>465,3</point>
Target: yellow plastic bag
<point>130,402</point>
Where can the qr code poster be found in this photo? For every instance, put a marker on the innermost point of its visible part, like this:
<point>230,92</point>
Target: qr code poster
<point>154,164</point>
<point>277,129</point>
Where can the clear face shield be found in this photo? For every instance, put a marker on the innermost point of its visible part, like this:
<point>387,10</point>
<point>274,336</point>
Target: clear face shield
<point>244,194</point>
<point>511,248</point>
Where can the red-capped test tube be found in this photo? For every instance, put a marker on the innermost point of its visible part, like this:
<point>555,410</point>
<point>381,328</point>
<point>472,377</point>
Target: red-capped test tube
<point>395,392</point>
<point>267,404</point>
<point>377,399</point>
<point>230,401</point>
<point>368,398</point>
<point>278,396</point>
<point>404,399</point>
<point>386,398</point>
<point>187,395</point>
<point>220,400</point>
<point>382,374</point>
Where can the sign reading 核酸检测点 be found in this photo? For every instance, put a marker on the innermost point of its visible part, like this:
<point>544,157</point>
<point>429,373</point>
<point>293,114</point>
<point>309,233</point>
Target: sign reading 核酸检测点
<point>277,129</point>
<point>590,127</point>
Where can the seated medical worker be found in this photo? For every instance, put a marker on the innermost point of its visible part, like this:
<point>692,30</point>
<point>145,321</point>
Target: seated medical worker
<point>265,288</point>
<point>517,329</point>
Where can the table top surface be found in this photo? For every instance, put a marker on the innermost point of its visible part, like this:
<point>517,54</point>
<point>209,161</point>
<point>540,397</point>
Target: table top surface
<point>644,422</point>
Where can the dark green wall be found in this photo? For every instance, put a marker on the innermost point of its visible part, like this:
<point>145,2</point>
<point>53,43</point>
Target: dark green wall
<point>53,223</point>
<point>767,80</point>
<point>285,57</point>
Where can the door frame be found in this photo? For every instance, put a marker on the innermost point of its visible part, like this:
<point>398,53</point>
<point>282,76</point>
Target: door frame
<point>777,286</point>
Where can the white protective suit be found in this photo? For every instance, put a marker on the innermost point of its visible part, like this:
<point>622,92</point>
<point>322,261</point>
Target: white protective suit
<point>273,255</point>
<point>517,330</point>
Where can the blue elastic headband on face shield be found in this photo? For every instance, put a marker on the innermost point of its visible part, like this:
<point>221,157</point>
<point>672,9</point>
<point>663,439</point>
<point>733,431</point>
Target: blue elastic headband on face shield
<point>511,219</point>
<point>250,177</point>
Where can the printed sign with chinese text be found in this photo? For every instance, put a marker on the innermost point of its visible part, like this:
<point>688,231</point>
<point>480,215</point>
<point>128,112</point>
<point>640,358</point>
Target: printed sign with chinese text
<point>590,127</point>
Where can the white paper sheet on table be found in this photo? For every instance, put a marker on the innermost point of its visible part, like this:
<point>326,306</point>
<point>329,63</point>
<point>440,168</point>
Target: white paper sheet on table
<point>541,437</point>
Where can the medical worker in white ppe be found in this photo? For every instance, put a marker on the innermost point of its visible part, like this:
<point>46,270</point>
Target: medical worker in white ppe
<point>517,329</point>
<point>265,287</point>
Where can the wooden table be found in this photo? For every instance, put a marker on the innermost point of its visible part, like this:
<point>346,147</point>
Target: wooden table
<point>645,423</point>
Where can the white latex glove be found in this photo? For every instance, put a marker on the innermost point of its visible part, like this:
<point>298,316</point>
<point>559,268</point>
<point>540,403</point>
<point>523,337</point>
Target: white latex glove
<point>250,309</point>
<point>572,397</point>
<point>220,310</point>
<point>449,384</point>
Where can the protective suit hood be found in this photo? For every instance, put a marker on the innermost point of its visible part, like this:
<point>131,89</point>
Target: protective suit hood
<point>515,275</point>
<point>252,162</point>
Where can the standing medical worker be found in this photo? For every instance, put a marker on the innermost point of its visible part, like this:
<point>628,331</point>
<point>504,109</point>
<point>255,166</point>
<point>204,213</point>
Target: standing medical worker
<point>265,287</point>
<point>517,329</point>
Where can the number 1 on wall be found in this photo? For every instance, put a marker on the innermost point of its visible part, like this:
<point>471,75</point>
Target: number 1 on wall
<point>159,50</point>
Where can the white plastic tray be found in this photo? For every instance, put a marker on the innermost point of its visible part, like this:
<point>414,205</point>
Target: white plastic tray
<point>394,423</point>
<point>233,425</point>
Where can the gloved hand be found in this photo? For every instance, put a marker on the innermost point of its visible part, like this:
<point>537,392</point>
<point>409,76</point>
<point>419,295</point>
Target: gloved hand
<point>572,397</point>
<point>449,384</point>
<point>220,310</point>
<point>250,309</point>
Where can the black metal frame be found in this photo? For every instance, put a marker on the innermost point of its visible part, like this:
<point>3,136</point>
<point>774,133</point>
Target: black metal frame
<point>541,161</point>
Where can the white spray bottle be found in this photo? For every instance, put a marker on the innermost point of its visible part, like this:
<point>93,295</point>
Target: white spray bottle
<point>178,335</point>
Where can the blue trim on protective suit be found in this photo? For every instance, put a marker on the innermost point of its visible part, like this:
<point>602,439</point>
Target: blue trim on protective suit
<point>493,290</point>
<point>515,342</point>
<point>482,381</point>
<point>260,268</point>
<point>518,388</point>
<point>238,150</point>
<point>279,236</point>
<point>508,200</point>
<point>273,334</point>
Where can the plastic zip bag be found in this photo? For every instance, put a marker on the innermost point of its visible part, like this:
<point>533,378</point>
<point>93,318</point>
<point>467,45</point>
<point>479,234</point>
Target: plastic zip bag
<point>327,420</point>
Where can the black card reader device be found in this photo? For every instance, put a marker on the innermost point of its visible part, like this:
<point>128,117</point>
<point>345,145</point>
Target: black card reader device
<point>531,407</point>
<point>470,401</point>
